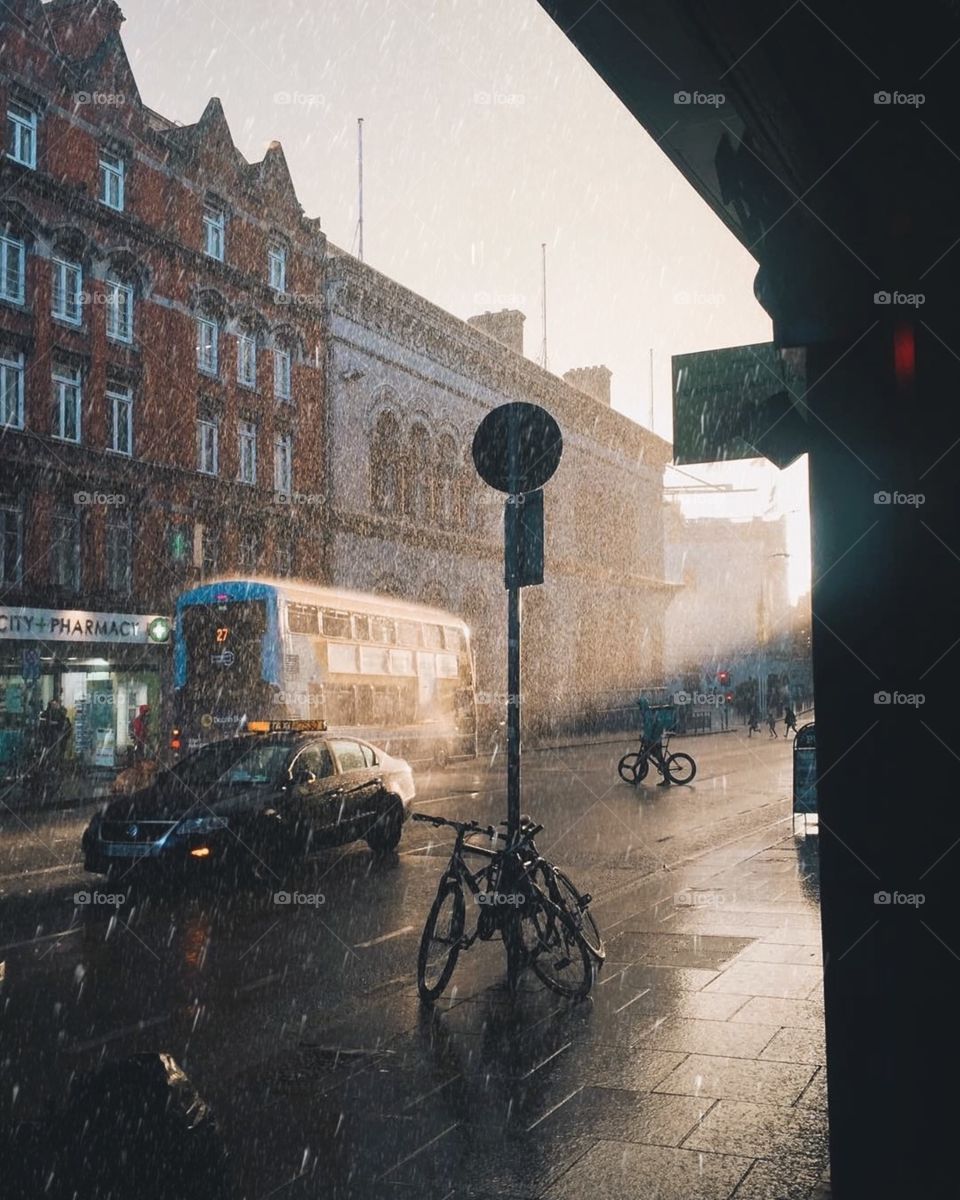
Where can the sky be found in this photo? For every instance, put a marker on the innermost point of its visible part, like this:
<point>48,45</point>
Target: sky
<point>485,135</point>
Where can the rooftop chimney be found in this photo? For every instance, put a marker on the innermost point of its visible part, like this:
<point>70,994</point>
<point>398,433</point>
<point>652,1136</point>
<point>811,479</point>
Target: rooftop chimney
<point>506,326</point>
<point>594,381</point>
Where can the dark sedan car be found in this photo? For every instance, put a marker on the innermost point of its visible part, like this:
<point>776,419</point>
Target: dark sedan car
<point>258,799</point>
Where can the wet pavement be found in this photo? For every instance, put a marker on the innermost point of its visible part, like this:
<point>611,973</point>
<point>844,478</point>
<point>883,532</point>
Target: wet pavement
<point>694,1070</point>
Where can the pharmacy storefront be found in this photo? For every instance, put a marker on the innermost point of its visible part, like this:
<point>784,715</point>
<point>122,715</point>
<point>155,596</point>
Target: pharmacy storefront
<point>102,666</point>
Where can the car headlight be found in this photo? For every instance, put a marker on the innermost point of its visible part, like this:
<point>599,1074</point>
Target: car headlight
<point>201,824</point>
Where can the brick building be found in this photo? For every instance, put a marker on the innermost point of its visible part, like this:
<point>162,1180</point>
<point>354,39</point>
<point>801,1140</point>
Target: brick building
<point>161,369</point>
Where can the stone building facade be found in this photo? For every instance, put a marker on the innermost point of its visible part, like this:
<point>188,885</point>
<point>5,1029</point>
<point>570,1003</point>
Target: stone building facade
<point>407,386</point>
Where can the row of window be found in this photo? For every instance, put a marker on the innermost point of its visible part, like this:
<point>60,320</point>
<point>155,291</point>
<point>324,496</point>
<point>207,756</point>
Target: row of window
<point>68,293</point>
<point>67,382</point>
<point>208,358</point>
<point>66,557</point>
<point>69,299</point>
<point>22,127</point>
<point>361,627</point>
<point>208,452</point>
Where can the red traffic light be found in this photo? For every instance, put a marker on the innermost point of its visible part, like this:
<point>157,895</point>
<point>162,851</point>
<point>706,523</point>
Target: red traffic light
<point>723,678</point>
<point>729,697</point>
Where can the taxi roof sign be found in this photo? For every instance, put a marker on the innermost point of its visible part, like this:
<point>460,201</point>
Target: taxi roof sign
<point>287,725</point>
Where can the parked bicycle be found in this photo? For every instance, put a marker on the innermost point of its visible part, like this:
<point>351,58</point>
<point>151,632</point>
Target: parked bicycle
<point>676,768</point>
<point>517,896</point>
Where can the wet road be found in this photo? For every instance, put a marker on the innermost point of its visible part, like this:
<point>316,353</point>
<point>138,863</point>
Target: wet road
<point>227,983</point>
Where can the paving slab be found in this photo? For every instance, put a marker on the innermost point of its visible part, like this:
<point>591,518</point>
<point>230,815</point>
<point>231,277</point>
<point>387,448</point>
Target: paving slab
<point>761,1131</point>
<point>710,1037</point>
<point>775,1010</point>
<point>738,1079</point>
<point>616,1171</point>
<point>796,1046</point>
<point>786,981</point>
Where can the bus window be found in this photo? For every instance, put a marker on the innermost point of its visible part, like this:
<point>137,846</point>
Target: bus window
<point>401,662</point>
<point>383,630</point>
<point>303,618</point>
<point>432,638</point>
<point>341,659</point>
<point>336,624</point>
<point>386,705</point>
<point>361,627</point>
<point>408,633</point>
<point>447,666</point>
<point>341,706</point>
<point>374,660</point>
<point>452,639</point>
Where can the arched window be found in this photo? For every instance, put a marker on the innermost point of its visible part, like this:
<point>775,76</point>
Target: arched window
<point>386,466</point>
<point>419,496</point>
<point>448,469</point>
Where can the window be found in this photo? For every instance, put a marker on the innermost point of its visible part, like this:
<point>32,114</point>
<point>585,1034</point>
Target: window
<point>119,310</point>
<point>13,269</point>
<point>432,637</point>
<point>67,393</point>
<point>281,374</point>
<point>22,135</point>
<point>315,758</point>
<point>214,232</point>
<point>11,389</point>
<point>386,466</point>
<point>119,551</point>
<point>120,405</point>
<point>302,618</point>
<point>284,558</point>
<point>11,539</point>
<point>336,624</point>
<point>418,499</point>
<point>408,633</point>
<point>349,754</point>
<point>208,334</point>
<point>278,268</point>
<point>283,464</point>
<point>248,452</point>
<point>112,168</point>
<point>67,291</point>
<point>208,444</point>
<point>247,359</point>
<point>65,551</point>
<point>249,552</point>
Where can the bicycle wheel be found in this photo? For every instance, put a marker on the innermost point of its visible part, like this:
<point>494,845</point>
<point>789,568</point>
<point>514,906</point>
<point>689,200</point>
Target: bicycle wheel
<point>557,951</point>
<point>681,768</point>
<point>441,942</point>
<point>633,768</point>
<point>564,894</point>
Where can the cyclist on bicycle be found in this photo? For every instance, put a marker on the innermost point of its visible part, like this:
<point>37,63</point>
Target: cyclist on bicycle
<point>654,727</point>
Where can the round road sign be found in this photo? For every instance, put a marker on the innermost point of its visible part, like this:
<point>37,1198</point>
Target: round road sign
<point>517,448</point>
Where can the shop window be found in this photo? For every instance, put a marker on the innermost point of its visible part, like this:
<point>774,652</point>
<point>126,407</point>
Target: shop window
<point>120,552</point>
<point>11,539</point>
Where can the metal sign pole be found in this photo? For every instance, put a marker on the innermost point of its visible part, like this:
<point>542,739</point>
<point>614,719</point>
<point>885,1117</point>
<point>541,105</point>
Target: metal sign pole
<point>513,712</point>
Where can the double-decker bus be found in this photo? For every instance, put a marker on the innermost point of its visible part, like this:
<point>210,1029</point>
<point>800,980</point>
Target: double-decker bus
<point>395,673</point>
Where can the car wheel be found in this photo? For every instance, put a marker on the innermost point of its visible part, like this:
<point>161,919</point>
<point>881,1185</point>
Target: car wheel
<point>384,834</point>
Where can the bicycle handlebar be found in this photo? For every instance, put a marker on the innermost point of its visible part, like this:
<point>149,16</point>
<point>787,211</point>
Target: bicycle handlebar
<point>528,832</point>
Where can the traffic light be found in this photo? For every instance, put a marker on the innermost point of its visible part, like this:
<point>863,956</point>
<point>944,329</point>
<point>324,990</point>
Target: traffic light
<point>723,678</point>
<point>729,697</point>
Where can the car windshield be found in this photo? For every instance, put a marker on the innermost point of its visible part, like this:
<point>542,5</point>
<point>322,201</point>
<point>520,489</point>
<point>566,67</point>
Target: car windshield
<point>234,763</point>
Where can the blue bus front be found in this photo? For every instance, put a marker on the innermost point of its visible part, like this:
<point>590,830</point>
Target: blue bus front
<point>227,660</point>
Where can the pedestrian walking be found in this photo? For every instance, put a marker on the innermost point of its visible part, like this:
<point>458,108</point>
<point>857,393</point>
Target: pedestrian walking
<point>753,723</point>
<point>789,722</point>
<point>772,724</point>
<point>141,731</point>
